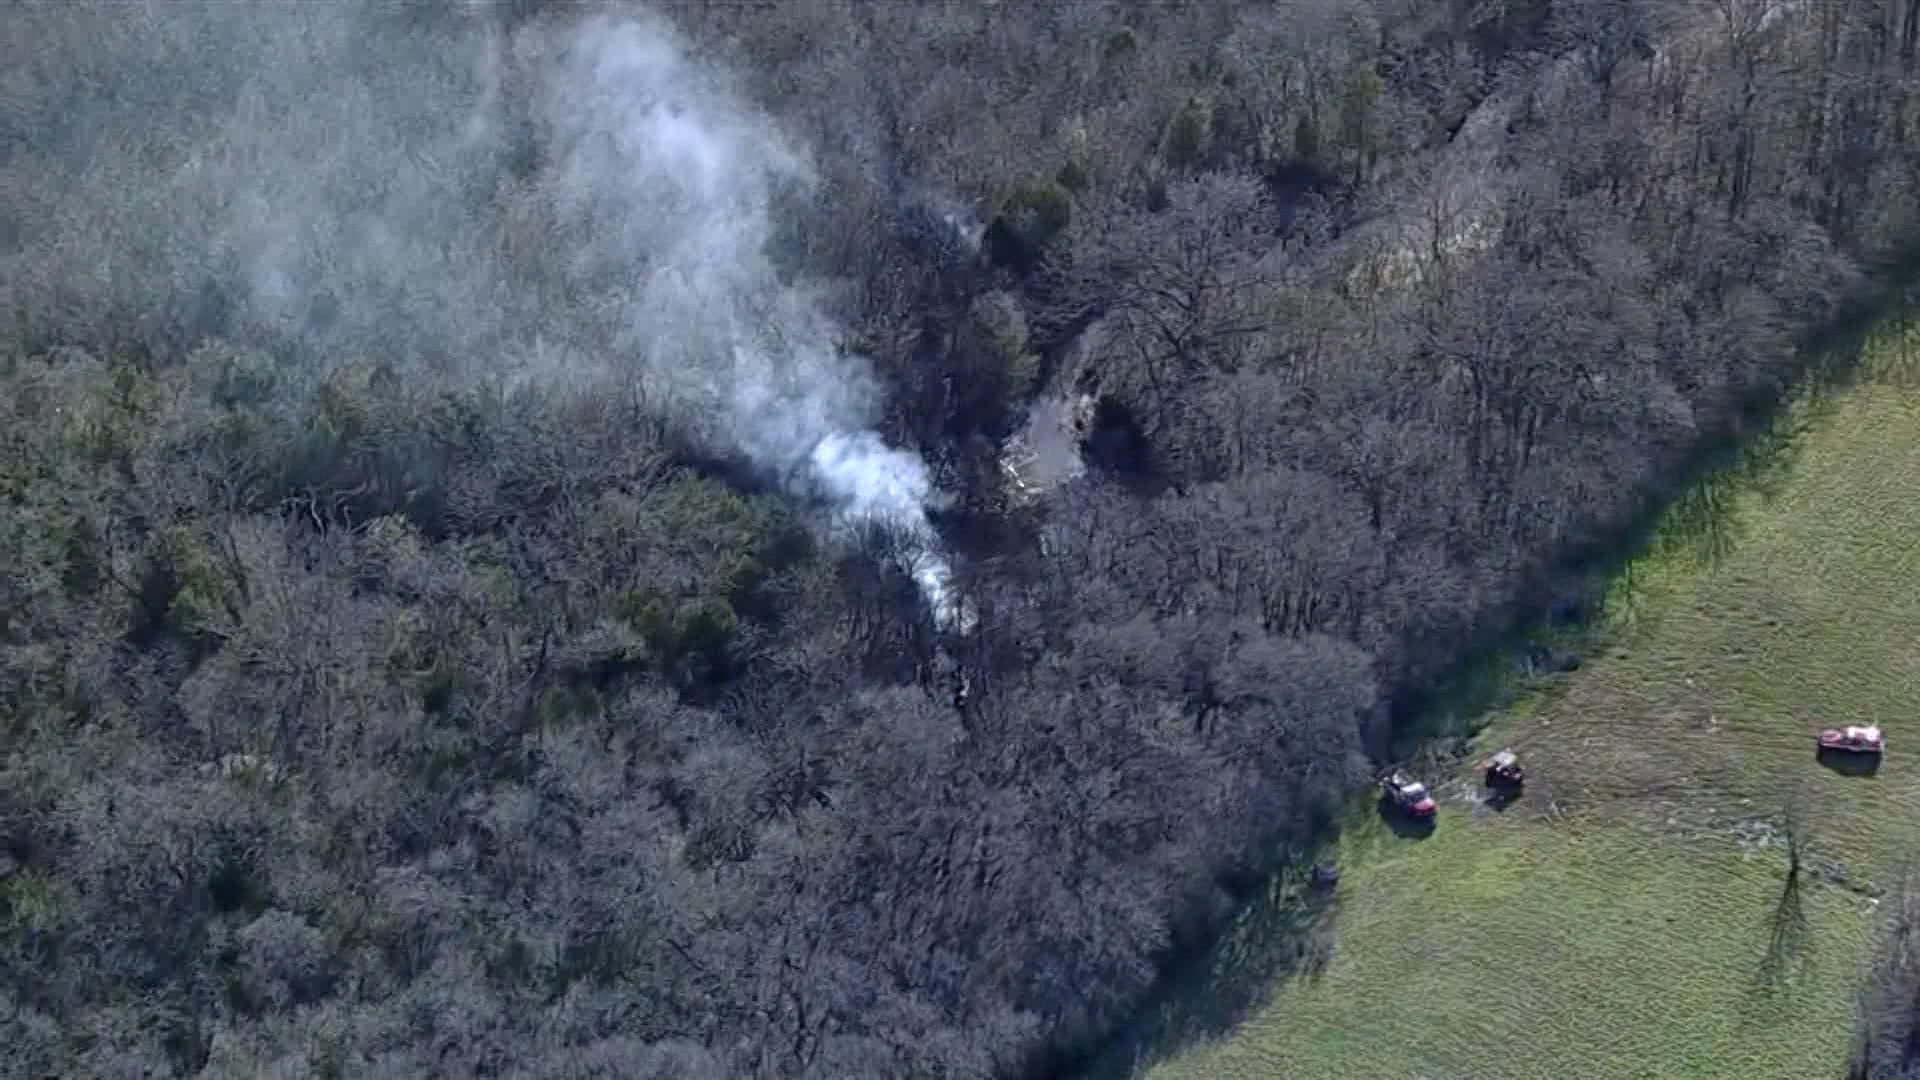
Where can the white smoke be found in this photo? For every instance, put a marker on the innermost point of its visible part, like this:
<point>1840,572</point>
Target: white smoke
<point>429,185</point>
<point>671,178</point>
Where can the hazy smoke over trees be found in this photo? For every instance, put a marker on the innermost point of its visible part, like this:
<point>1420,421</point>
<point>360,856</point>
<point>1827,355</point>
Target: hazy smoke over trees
<point>672,180</point>
<point>405,685</point>
<point>354,203</point>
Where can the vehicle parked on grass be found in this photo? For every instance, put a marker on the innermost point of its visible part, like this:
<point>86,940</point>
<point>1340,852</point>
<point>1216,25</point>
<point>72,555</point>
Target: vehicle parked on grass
<point>1854,739</point>
<point>1409,796</point>
<point>1503,772</point>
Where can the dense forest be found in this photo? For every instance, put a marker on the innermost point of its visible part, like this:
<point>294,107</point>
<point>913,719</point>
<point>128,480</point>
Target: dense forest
<point>418,658</point>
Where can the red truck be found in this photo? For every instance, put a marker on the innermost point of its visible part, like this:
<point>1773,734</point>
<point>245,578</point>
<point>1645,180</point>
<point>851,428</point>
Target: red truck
<point>1854,740</point>
<point>1409,796</point>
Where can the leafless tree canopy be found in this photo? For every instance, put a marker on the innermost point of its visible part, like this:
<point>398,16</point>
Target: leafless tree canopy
<point>372,710</point>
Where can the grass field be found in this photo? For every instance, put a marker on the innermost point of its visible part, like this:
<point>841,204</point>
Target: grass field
<point>1628,918</point>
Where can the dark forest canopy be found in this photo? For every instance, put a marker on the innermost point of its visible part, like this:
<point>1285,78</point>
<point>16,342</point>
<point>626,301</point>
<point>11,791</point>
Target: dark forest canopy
<point>391,686</point>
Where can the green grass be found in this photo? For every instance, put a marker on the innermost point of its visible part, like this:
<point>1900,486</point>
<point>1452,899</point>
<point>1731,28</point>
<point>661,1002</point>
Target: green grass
<point>1626,918</point>
<point>1511,949</point>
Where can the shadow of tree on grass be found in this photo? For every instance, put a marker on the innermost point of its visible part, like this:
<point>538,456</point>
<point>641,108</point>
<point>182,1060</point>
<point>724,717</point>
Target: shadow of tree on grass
<point>1788,937</point>
<point>1286,931</point>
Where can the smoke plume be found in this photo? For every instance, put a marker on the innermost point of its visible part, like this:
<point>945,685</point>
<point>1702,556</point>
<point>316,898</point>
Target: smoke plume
<point>681,175</point>
<point>421,185</point>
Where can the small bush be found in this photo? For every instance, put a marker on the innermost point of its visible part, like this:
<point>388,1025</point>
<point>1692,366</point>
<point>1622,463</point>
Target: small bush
<point>1029,219</point>
<point>1188,135</point>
